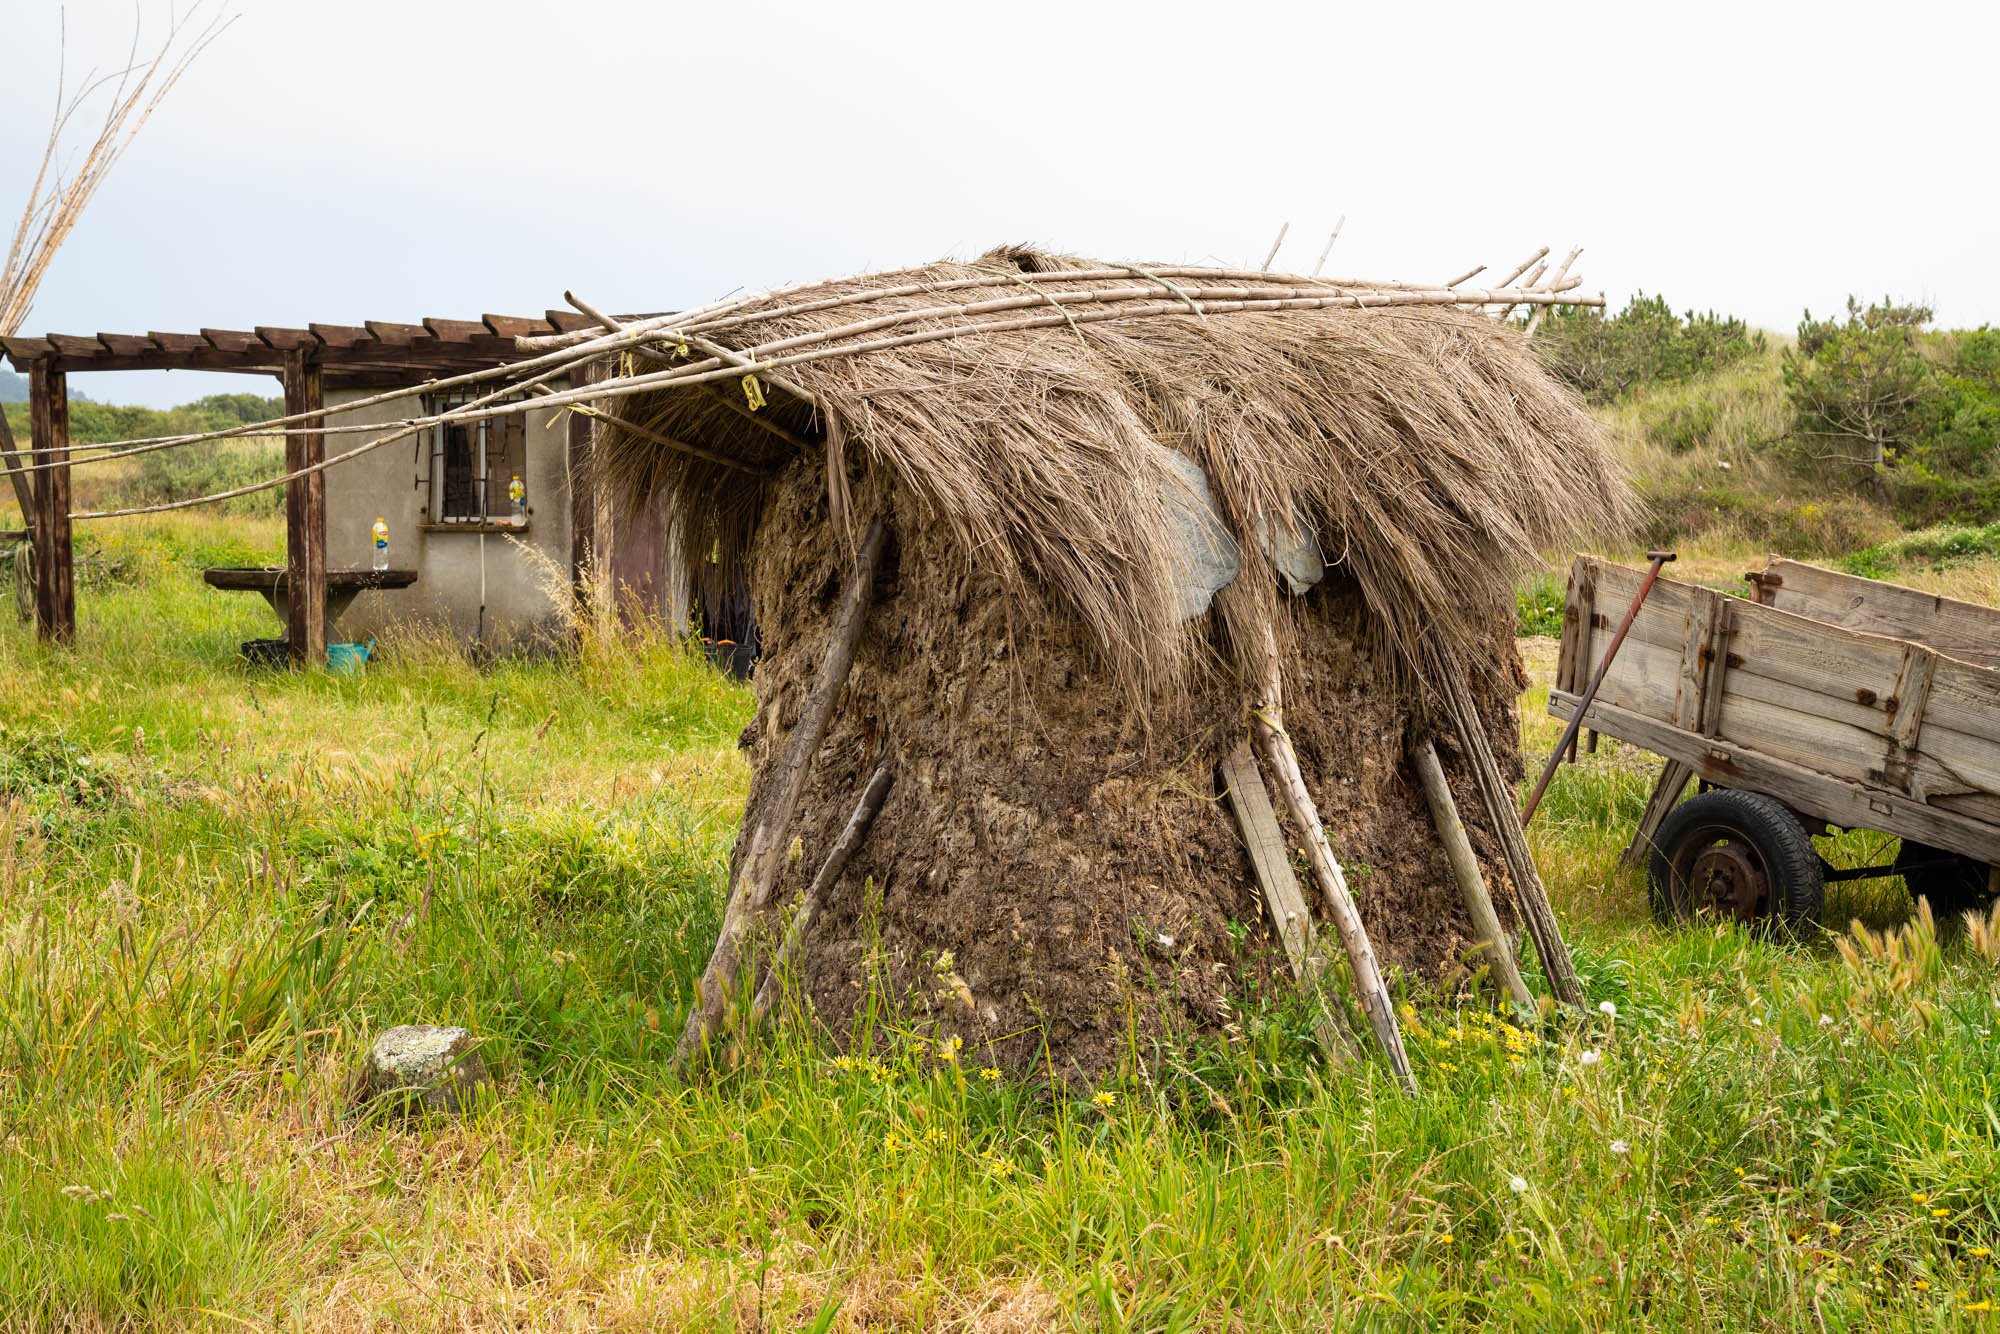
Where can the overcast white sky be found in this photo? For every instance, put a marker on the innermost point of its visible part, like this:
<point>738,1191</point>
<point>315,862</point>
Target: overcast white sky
<point>391,159</point>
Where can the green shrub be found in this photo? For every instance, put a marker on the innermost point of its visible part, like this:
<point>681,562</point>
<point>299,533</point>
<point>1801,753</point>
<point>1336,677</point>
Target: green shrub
<point>1604,357</point>
<point>1936,547</point>
<point>1911,413</point>
<point>206,468</point>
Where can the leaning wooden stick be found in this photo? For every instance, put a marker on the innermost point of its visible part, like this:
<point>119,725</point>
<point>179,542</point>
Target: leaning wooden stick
<point>1465,870</point>
<point>809,902</point>
<point>765,851</point>
<point>1497,801</point>
<point>1286,903</point>
<point>1268,721</point>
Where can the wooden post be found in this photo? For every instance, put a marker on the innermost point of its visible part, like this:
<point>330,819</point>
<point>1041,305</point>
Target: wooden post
<point>584,556</point>
<point>305,517</point>
<point>1268,722</point>
<point>764,850</point>
<point>1465,870</point>
<point>1271,863</point>
<point>55,555</point>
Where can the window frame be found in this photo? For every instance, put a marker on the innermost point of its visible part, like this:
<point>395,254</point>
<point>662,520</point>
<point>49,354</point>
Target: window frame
<point>491,472</point>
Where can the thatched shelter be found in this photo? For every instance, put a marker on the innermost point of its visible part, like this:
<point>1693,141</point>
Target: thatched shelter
<point>1094,546</point>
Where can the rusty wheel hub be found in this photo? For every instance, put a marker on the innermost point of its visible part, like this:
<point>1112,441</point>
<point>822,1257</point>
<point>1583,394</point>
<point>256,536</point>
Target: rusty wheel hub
<point>1728,878</point>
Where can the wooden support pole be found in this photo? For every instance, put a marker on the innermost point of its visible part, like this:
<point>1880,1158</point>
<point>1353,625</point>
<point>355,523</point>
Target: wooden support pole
<point>1465,870</point>
<point>1291,916</point>
<point>830,870</point>
<point>1497,801</point>
<point>585,556</point>
<point>305,517</point>
<point>55,554</point>
<point>1268,724</point>
<point>764,850</point>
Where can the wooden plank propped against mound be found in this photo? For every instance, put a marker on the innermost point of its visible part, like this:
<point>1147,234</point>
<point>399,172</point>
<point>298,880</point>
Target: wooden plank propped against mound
<point>836,861</point>
<point>1465,870</point>
<point>1291,916</point>
<point>764,854</point>
<point>1268,723</point>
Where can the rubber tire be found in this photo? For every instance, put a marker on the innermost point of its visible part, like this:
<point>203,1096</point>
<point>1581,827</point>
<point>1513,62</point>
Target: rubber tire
<point>1957,887</point>
<point>1798,880</point>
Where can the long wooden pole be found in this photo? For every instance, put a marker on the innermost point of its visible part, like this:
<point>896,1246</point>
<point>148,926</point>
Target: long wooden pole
<point>1465,870</point>
<point>1497,801</point>
<point>305,517</point>
<point>764,856</point>
<point>1268,723</point>
<point>54,552</point>
<point>10,458</point>
<point>800,350</point>
<point>830,871</point>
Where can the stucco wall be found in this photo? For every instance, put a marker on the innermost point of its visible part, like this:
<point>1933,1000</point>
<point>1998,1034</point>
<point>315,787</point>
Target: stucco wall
<point>525,572</point>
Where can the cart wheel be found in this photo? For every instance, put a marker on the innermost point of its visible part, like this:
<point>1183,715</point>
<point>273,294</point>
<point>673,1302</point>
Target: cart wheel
<point>1735,854</point>
<point>1952,883</point>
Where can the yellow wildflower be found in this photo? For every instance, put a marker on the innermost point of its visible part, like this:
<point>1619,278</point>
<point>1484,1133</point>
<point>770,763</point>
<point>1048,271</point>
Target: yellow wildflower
<point>1447,1238</point>
<point>1918,1197</point>
<point>1980,1252</point>
<point>1922,1285</point>
<point>1940,1213</point>
<point>1107,1100</point>
<point>989,1074</point>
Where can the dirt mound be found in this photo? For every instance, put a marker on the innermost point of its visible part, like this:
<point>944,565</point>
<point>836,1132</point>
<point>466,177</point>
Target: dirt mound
<point>1052,870</point>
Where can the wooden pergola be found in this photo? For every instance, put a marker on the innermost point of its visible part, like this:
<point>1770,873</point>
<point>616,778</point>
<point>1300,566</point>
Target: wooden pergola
<point>374,355</point>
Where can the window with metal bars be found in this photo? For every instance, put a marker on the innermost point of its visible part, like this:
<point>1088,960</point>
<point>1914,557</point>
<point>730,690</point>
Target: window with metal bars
<point>472,465</point>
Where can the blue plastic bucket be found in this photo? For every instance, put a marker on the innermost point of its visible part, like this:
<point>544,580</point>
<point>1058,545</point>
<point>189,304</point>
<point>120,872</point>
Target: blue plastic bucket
<point>347,659</point>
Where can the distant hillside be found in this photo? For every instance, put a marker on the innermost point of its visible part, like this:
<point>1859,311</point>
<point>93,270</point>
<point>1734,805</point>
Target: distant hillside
<point>13,387</point>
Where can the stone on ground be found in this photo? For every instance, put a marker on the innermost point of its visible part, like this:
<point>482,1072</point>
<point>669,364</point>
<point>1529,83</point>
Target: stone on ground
<point>424,1067</point>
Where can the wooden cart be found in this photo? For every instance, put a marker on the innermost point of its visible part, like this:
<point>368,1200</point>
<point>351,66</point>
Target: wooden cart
<point>1823,701</point>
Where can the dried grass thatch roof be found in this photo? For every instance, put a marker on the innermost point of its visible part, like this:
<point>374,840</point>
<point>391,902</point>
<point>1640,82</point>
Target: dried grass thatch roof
<point>1421,445</point>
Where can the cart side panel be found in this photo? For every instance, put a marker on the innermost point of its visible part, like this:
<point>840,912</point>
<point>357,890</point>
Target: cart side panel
<point>1959,629</point>
<point>1961,735</point>
<point>1891,726</point>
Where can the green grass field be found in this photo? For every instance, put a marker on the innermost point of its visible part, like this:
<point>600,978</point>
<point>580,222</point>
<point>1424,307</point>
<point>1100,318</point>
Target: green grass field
<point>215,884</point>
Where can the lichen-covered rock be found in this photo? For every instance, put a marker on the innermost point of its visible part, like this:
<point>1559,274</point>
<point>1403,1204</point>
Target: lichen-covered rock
<point>422,1067</point>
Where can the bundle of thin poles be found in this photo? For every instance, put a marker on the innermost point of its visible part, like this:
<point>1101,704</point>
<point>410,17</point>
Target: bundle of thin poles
<point>685,349</point>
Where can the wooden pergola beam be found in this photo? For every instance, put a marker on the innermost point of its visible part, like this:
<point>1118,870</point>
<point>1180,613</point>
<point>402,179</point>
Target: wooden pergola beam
<point>54,553</point>
<point>305,517</point>
<point>434,347</point>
